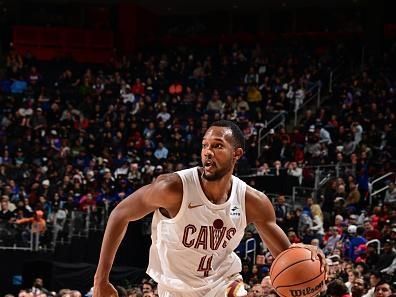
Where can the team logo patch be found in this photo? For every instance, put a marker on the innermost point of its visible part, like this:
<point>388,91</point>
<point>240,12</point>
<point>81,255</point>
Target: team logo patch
<point>235,211</point>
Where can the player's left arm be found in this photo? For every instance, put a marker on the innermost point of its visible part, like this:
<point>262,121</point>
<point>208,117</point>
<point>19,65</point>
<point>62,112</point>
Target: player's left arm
<point>260,212</point>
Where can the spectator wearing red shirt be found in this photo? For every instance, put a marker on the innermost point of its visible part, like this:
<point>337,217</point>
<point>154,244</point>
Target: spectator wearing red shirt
<point>370,232</point>
<point>87,202</point>
<point>138,87</point>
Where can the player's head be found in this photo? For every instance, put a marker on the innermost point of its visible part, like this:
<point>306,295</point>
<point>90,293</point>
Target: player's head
<point>222,146</point>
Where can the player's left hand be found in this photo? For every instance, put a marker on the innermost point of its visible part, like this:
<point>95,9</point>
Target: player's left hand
<point>316,253</point>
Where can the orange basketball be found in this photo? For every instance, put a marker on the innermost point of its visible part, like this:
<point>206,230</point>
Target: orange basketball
<point>294,274</point>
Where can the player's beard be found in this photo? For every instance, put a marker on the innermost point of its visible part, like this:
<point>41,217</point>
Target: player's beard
<point>217,173</point>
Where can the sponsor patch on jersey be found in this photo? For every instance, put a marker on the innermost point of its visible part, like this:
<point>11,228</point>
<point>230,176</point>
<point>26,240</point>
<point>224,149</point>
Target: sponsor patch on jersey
<point>235,211</point>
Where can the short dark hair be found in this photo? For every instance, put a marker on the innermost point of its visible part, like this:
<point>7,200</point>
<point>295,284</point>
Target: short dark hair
<point>237,134</point>
<point>121,291</point>
<point>148,282</point>
<point>376,273</point>
<point>383,282</point>
<point>336,288</point>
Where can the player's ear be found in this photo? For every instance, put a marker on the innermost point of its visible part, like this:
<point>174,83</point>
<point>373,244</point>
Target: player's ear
<point>238,153</point>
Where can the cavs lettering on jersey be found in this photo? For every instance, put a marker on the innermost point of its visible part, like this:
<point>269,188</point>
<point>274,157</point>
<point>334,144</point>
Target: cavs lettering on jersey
<point>194,250</point>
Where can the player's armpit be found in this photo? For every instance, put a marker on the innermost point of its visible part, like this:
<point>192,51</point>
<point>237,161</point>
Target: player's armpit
<point>260,212</point>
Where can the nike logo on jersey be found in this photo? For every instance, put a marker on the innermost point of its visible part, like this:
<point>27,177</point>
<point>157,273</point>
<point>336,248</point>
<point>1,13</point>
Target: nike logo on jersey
<point>190,205</point>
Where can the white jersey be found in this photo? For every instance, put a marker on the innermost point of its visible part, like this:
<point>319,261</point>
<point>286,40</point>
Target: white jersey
<point>193,252</point>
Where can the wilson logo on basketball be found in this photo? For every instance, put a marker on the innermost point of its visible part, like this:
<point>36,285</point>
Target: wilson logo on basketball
<point>306,291</point>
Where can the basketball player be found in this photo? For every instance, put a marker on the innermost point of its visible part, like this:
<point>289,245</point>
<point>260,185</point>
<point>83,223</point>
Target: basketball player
<point>200,217</point>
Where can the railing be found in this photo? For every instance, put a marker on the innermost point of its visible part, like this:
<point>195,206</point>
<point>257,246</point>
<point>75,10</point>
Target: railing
<point>316,94</point>
<point>19,237</point>
<point>273,196</point>
<point>306,191</point>
<point>331,78</point>
<point>61,228</point>
<point>277,121</point>
<point>374,193</point>
<point>322,174</point>
<point>251,249</point>
<point>377,242</point>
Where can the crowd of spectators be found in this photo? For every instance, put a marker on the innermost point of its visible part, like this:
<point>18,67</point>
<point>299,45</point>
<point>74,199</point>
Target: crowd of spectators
<point>77,138</point>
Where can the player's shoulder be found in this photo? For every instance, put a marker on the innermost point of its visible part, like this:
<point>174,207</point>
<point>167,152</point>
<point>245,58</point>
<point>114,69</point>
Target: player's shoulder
<point>169,183</point>
<point>255,200</point>
<point>257,204</point>
<point>253,194</point>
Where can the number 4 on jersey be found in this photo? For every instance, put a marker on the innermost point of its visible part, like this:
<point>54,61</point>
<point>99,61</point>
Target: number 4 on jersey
<point>205,265</point>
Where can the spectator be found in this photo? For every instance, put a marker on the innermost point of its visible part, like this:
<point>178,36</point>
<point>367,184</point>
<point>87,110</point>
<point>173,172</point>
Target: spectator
<point>387,256</point>
<point>375,278</point>
<point>372,256</point>
<point>38,287</point>
<point>6,215</point>
<point>353,198</point>
<point>305,227</point>
<point>161,152</point>
<point>38,223</point>
<point>266,285</point>
<point>147,287</point>
<point>215,104</point>
<point>120,290</point>
<point>353,275</point>
<point>281,210</point>
<point>336,288</point>
<point>88,203</point>
<point>390,196</point>
<point>317,226</point>
<point>356,239</point>
<point>164,115</point>
<point>134,292</point>
<point>122,171</point>
<point>256,291</point>
<point>370,232</point>
<point>294,170</point>
<point>331,242</point>
<point>383,289</point>
<point>358,289</point>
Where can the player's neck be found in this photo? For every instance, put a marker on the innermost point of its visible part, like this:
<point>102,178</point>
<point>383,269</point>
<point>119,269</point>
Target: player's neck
<point>217,191</point>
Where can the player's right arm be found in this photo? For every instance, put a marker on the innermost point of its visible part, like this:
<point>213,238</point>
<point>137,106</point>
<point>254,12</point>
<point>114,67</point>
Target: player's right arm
<point>166,192</point>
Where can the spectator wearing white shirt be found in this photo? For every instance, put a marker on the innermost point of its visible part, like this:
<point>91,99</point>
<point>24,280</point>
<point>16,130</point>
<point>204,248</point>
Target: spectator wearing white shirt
<point>127,96</point>
<point>164,115</point>
<point>357,131</point>
<point>294,170</point>
<point>375,278</point>
<point>122,171</point>
<point>331,243</point>
<point>390,195</point>
<point>325,136</point>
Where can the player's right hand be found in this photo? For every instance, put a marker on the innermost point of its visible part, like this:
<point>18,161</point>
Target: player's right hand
<point>104,289</point>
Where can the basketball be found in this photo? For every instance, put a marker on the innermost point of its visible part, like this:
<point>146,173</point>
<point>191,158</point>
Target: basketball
<point>294,274</point>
